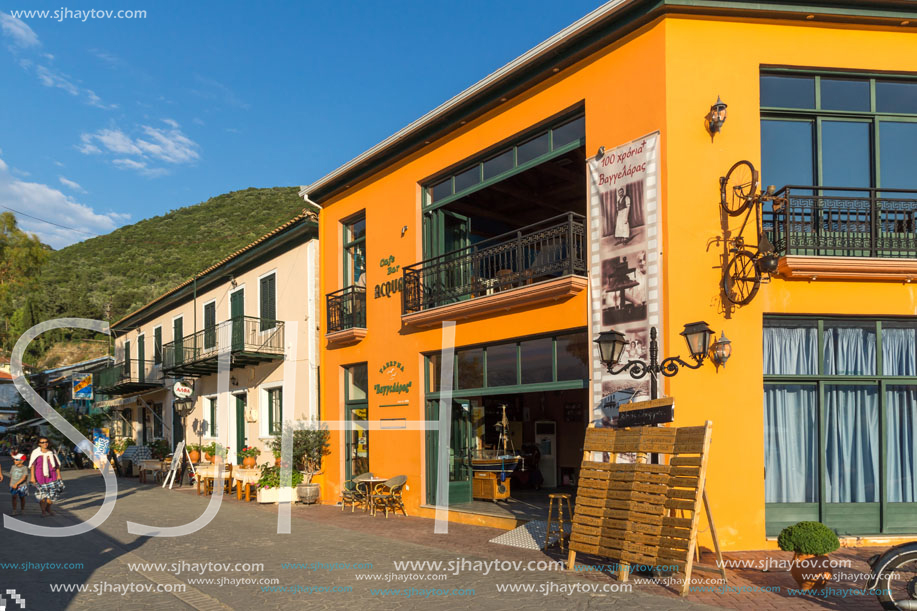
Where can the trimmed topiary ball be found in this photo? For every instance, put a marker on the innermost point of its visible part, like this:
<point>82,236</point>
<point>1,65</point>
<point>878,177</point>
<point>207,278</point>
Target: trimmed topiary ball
<point>813,538</point>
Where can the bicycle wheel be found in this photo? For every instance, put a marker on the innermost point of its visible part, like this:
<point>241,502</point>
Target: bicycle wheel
<point>738,188</point>
<point>741,278</point>
<point>898,583</point>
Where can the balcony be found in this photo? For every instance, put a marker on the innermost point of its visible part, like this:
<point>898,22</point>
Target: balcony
<point>129,376</point>
<point>249,341</point>
<point>346,315</point>
<point>845,233</point>
<point>541,262</point>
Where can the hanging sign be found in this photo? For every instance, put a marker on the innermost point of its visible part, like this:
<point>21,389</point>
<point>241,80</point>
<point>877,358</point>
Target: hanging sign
<point>82,386</point>
<point>183,389</point>
<point>646,413</point>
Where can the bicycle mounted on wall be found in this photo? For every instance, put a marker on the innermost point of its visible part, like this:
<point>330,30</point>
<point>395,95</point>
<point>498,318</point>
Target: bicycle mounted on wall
<point>750,262</point>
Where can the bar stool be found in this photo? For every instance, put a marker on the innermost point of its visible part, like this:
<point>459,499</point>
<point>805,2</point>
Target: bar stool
<point>556,522</point>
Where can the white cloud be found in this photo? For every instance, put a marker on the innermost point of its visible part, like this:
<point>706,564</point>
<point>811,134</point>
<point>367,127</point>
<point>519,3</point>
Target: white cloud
<point>169,145</point>
<point>48,203</point>
<point>51,78</point>
<point>74,186</point>
<point>21,35</point>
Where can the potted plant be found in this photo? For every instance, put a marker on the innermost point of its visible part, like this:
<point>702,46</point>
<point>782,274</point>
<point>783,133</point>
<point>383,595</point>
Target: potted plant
<point>210,450</point>
<point>809,542</point>
<point>194,452</point>
<point>249,456</point>
<point>276,454</point>
<point>122,444</point>
<point>309,447</point>
<point>269,486</point>
<point>159,448</point>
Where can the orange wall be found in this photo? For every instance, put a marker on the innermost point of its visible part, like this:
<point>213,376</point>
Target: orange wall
<point>393,199</point>
<point>706,58</point>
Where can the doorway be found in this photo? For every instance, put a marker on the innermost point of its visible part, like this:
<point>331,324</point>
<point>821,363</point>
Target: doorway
<point>460,452</point>
<point>241,402</point>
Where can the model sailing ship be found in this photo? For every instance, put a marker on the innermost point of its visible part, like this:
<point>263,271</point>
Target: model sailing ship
<point>501,460</point>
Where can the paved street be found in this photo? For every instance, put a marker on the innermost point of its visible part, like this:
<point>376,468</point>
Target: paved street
<point>246,533</point>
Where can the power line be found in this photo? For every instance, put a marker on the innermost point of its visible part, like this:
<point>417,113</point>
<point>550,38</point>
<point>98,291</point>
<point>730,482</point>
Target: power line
<point>50,223</point>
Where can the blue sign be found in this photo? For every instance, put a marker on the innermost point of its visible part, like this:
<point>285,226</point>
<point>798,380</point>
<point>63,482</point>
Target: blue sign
<point>82,386</point>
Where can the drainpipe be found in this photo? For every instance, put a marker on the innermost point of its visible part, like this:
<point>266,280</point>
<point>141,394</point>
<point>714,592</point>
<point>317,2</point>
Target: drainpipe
<point>310,202</point>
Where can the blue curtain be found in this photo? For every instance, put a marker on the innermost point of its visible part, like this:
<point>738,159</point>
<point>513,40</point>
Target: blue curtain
<point>901,448</point>
<point>898,349</point>
<point>851,444</point>
<point>790,351</point>
<point>850,351</point>
<point>790,444</point>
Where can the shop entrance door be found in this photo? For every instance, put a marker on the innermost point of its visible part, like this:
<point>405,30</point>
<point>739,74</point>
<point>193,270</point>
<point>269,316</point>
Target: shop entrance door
<point>459,455</point>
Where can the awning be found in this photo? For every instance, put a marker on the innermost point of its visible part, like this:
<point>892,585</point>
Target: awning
<point>28,424</point>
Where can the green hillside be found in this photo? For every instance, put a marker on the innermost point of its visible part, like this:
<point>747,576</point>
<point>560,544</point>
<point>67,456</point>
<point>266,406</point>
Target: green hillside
<point>108,276</point>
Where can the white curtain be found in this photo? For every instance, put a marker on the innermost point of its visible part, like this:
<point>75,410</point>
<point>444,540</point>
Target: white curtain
<point>790,444</point>
<point>899,347</point>
<point>901,448</point>
<point>851,444</point>
<point>850,351</point>
<point>790,351</point>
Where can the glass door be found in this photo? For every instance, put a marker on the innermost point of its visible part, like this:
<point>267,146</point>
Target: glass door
<point>458,456</point>
<point>240,423</point>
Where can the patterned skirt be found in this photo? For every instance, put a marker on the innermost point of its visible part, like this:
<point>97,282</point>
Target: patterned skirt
<point>50,491</point>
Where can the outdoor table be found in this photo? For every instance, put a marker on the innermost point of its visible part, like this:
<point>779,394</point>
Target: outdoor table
<point>208,472</point>
<point>149,465</point>
<point>245,478</point>
<point>370,483</point>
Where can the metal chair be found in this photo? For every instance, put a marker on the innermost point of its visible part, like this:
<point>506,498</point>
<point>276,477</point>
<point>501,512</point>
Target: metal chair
<point>390,500</point>
<point>355,495</point>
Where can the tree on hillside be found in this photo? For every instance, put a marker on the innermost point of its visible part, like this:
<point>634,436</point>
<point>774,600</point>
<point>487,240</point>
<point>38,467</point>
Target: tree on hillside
<point>21,259</point>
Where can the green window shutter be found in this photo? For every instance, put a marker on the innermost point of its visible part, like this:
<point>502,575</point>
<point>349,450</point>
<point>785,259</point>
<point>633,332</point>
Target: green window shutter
<point>177,333</point>
<point>157,345</point>
<point>268,301</point>
<point>210,323</point>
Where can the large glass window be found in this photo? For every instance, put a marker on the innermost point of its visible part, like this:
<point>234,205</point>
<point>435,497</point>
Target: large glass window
<point>275,411</point>
<point>558,360</point>
<point>840,415</point>
<point>355,252</point>
<point>837,131</point>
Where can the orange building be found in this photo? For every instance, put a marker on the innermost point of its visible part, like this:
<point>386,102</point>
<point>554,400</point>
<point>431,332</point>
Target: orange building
<point>498,211</point>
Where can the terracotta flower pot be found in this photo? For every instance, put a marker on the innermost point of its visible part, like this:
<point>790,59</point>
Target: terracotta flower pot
<point>277,462</point>
<point>194,455</point>
<point>249,462</point>
<point>811,572</point>
<point>208,457</point>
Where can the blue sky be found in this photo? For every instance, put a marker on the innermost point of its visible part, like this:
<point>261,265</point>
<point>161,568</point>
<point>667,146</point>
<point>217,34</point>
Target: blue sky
<point>104,122</point>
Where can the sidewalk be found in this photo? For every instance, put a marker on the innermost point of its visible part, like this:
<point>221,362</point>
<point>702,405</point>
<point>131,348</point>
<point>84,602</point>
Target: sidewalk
<point>745,584</point>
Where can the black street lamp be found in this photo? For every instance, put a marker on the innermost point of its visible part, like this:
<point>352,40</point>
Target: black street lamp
<point>696,334</point>
<point>183,407</point>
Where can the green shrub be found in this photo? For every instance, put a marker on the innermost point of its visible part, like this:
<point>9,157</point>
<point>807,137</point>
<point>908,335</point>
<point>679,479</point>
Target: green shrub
<point>808,538</point>
<point>270,477</point>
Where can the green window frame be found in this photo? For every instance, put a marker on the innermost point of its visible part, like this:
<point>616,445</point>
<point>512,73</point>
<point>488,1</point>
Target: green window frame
<point>356,409</point>
<point>818,115</point>
<point>157,346</point>
<point>210,325</point>
<point>532,368</point>
<point>853,518</point>
<point>268,295</point>
<point>275,411</point>
<point>354,236</point>
<point>212,413</point>
<point>561,135</point>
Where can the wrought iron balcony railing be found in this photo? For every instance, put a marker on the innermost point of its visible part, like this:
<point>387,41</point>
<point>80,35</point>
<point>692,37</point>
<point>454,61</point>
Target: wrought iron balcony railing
<point>347,309</point>
<point>250,340</point>
<point>550,249</point>
<point>128,376</point>
<point>844,222</point>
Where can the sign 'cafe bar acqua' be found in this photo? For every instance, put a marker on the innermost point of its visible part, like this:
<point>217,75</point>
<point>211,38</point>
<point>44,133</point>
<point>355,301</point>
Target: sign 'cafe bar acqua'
<point>594,186</point>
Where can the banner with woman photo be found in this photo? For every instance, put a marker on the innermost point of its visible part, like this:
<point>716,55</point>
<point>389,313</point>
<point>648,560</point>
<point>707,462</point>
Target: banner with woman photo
<point>624,264</point>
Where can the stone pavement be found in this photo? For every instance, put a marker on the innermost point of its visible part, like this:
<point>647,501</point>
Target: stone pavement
<point>246,533</point>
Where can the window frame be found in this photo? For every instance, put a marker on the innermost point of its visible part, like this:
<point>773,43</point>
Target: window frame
<point>157,345</point>
<point>349,406</point>
<point>211,410</point>
<point>267,323</point>
<point>348,244</point>
<point>818,115</point>
<point>780,514</point>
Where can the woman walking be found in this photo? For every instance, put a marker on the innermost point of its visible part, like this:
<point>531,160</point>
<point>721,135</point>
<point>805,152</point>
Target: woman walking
<point>45,476</point>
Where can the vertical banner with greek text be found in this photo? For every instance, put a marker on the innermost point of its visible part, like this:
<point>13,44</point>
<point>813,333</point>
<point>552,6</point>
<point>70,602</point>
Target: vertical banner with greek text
<point>624,263</point>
